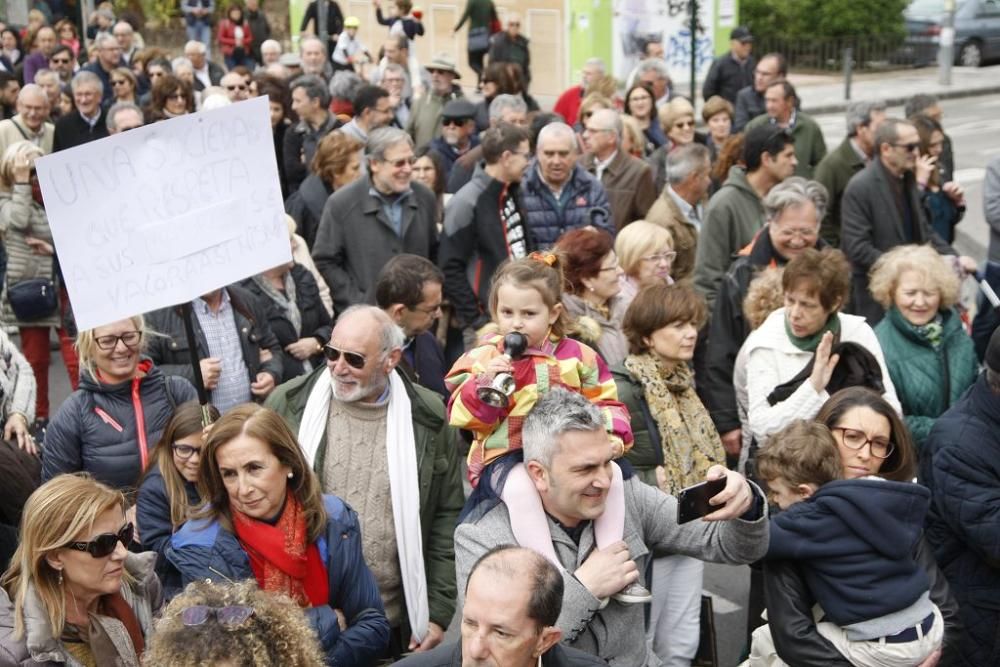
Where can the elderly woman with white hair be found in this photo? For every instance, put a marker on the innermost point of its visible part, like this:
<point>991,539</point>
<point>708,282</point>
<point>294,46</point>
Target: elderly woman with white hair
<point>646,255</point>
<point>931,358</point>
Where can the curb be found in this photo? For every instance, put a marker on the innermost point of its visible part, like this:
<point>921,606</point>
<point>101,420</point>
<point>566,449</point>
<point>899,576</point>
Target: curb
<point>836,107</point>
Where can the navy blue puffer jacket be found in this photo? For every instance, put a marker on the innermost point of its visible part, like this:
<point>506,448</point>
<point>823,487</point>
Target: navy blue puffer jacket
<point>586,204</point>
<point>203,549</point>
<point>960,464</point>
<point>95,430</point>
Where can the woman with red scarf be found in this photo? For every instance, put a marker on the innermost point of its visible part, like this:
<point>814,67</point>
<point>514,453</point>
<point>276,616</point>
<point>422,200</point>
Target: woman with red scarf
<point>266,518</point>
<point>109,425</point>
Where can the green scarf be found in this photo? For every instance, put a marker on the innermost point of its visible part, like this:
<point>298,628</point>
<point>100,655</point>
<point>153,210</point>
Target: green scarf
<point>932,332</point>
<point>691,444</point>
<point>810,343</point>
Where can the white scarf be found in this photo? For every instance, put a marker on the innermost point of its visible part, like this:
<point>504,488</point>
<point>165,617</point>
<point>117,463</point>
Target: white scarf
<point>404,486</point>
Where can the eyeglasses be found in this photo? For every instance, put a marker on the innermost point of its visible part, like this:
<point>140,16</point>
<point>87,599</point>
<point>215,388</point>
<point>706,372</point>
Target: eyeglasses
<point>402,162</point>
<point>881,448</point>
<point>236,87</point>
<point>60,61</point>
<point>118,82</point>
<point>177,96</point>
<point>110,342</point>
<point>429,310</point>
<point>909,148</point>
<point>660,257</point>
<point>684,123</point>
<point>184,452</point>
<point>353,359</point>
<point>231,616</point>
<point>454,121</point>
<point>103,545</point>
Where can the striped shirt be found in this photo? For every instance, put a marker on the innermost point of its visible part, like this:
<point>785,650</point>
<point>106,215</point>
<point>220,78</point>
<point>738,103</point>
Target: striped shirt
<point>224,344</point>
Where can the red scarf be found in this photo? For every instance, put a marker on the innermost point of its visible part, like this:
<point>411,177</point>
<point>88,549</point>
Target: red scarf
<point>280,558</point>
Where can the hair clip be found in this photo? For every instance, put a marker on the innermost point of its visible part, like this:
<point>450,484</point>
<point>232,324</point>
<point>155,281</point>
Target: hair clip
<point>547,258</point>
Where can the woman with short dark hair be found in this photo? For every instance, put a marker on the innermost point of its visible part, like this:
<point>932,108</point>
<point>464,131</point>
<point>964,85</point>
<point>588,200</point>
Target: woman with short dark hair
<point>171,97</point>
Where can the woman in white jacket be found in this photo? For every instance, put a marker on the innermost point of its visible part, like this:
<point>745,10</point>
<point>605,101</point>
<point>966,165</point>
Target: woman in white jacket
<point>816,285</point>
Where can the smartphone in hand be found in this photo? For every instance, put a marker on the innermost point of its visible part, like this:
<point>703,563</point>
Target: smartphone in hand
<point>692,502</point>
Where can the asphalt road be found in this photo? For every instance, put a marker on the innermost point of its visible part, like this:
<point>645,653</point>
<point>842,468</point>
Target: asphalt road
<point>974,127</point>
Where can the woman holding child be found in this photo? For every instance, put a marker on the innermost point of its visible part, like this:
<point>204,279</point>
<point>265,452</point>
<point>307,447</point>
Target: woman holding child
<point>870,439</point>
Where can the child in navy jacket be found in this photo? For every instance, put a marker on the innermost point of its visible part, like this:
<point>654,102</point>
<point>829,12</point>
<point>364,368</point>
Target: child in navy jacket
<point>854,539</point>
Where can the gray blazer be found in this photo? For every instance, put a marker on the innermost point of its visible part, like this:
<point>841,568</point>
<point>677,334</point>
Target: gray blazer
<point>355,238</point>
<point>617,632</point>
<point>871,224</point>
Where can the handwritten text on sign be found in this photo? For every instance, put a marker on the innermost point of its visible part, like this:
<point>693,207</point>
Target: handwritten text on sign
<point>162,214</point>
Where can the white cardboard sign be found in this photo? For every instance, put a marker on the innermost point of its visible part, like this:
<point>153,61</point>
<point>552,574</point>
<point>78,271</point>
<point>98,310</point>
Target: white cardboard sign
<point>161,214</point>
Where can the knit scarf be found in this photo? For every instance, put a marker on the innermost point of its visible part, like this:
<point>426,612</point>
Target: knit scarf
<point>280,557</point>
<point>691,445</point>
<point>810,343</point>
<point>285,300</point>
<point>932,333</point>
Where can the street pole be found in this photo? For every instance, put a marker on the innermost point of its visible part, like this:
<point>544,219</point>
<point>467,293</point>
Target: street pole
<point>694,48</point>
<point>946,41</point>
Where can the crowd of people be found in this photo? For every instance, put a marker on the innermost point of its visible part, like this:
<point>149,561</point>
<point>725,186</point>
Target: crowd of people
<point>597,307</point>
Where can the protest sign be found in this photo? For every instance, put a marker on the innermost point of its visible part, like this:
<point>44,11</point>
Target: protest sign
<point>159,215</point>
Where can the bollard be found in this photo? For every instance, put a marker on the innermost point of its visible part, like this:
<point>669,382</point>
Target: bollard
<point>848,70</point>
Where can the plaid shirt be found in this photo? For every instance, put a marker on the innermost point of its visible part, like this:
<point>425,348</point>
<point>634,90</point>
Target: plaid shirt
<point>224,344</point>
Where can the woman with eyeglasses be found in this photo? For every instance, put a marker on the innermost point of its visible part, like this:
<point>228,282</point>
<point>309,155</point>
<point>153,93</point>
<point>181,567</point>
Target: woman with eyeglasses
<point>265,518</point>
<point>124,85</point>
<point>791,358</point>
<point>74,595</point>
<point>872,440</point>
<point>641,105</point>
<point>31,257</point>
<point>168,491</point>
<point>108,426</point>
<point>172,97</point>
<point>592,278</point>
<point>646,254</point>
<point>220,623</point>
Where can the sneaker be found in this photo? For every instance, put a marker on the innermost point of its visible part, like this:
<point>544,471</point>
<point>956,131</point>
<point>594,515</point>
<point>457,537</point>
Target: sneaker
<point>634,594</point>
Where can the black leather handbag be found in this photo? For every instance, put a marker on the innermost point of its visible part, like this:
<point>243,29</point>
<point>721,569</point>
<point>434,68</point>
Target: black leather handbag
<point>33,299</point>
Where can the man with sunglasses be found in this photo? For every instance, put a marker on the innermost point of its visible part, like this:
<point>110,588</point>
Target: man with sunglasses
<point>882,209</point>
<point>458,133</point>
<point>373,219</point>
<point>510,46</point>
<point>235,86</point>
<point>425,116</point>
<point>61,61</point>
<point>383,444</point>
<point>781,100</point>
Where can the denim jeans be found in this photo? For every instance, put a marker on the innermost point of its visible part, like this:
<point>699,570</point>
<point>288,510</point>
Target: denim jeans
<point>202,32</point>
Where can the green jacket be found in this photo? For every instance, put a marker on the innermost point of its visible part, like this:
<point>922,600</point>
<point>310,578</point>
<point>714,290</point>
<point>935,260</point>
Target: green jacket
<point>439,475</point>
<point>927,381</point>
<point>425,116</point>
<point>810,147</point>
<point>732,218</point>
<point>835,170</point>
<point>647,451</point>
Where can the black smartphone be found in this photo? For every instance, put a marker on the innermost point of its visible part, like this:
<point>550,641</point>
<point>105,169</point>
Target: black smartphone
<point>692,502</point>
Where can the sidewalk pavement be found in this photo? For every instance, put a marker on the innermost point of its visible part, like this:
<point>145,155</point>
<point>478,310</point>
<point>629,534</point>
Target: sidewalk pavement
<point>825,93</point>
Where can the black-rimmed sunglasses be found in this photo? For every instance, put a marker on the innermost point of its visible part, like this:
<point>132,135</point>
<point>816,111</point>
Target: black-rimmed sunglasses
<point>353,359</point>
<point>231,616</point>
<point>104,544</point>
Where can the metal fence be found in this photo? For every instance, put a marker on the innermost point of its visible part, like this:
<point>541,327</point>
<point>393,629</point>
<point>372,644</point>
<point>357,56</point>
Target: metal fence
<point>824,54</point>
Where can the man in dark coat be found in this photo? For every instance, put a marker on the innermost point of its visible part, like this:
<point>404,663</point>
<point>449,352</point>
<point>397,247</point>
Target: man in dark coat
<point>510,46</point>
<point>368,222</point>
<point>959,465</point>
<point>87,122</point>
<point>512,603</point>
<point>733,71</point>
<point>838,167</point>
<point>750,100</point>
<point>881,209</point>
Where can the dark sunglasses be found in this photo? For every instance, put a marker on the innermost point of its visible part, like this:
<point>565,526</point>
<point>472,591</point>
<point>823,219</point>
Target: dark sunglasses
<point>60,61</point>
<point>118,82</point>
<point>353,359</point>
<point>231,616</point>
<point>909,148</point>
<point>237,87</point>
<point>454,121</point>
<point>104,545</point>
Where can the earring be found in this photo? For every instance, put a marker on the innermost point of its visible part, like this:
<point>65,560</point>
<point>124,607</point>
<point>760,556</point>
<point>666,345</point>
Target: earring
<point>290,475</point>
<point>60,578</point>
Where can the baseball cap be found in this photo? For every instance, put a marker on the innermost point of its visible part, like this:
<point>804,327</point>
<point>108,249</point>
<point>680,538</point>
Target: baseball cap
<point>741,33</point>
<point>460,109</point>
